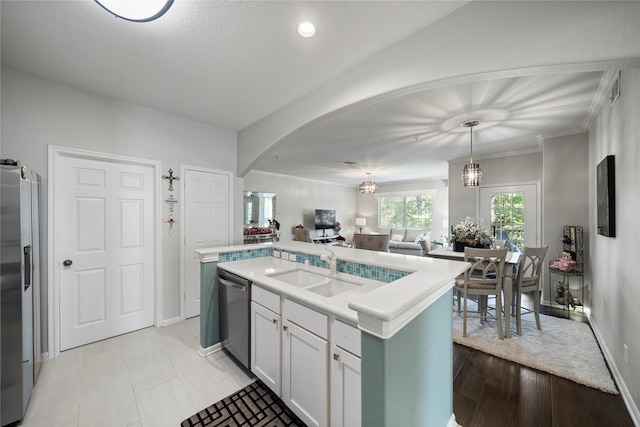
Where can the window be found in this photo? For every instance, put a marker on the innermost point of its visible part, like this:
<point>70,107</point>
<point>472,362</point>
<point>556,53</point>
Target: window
<point>507,217</point>
<point>412,211</point>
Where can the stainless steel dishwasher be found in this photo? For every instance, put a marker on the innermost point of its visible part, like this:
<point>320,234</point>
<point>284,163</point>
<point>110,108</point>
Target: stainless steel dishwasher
<point>235,302</point>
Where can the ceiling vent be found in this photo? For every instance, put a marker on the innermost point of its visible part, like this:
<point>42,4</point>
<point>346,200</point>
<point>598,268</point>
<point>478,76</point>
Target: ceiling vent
<point>614,94</point>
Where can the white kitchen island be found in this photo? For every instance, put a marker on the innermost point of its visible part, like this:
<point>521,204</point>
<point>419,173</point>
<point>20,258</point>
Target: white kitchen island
<point>402,306</point>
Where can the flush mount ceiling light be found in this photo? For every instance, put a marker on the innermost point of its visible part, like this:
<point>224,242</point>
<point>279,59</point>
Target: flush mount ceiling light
<point>306,29</point>
<point>136,10</point>
<point>471,174</point>
<point>368,186</point>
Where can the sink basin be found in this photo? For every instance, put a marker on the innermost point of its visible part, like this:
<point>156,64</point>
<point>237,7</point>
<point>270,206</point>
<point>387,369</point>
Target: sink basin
<point>300,278</point>
<point>332,287</point>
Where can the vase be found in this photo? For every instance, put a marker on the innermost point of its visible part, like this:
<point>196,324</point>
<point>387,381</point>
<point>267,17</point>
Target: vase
<point>459,245</point>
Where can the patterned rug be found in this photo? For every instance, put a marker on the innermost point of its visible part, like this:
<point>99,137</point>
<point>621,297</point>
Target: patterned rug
<point>255,405</point>
<point>563,347</point>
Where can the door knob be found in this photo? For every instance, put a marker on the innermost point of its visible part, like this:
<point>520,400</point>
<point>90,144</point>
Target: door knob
<point>67,262</point>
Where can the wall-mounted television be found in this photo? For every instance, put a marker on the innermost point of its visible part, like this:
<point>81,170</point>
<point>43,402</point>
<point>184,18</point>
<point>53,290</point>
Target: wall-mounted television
<point>325,219</point>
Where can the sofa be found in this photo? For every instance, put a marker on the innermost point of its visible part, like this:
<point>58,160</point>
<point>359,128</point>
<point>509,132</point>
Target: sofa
<point>406,240</point>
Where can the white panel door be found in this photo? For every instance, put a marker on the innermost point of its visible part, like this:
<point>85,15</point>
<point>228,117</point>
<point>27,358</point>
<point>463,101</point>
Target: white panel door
<point>521,227</point>
<point>206,224</point>
<point>105,215</point>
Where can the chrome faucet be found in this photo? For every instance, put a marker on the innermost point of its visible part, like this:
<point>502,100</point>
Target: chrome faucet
<point>332,260</point>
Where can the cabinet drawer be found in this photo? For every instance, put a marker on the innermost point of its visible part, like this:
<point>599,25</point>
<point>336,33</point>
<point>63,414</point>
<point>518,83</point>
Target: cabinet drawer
<point>265,298</point>
<point>346,337</point>
<point>306,318</point>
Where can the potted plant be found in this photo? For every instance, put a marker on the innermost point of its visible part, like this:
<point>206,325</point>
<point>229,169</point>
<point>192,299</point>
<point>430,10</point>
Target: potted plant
<point>469,233</point>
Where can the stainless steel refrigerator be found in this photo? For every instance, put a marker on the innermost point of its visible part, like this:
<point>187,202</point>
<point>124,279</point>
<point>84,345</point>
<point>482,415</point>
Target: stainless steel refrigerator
<point>19,287</point>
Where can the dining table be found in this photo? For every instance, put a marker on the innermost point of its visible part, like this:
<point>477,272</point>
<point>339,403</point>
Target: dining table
<point>511,261</point>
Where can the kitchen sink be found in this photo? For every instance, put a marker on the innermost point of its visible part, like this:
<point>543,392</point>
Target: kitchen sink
<point>300,278</point>
<point>332,287</point>
<point>320,284</point>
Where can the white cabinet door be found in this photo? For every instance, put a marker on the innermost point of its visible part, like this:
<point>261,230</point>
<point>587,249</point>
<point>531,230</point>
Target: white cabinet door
<point>345,389</point>
<point>265,346</point>
<point>305,378</point>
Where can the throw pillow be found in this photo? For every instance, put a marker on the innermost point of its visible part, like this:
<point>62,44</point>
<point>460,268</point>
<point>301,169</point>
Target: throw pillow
<point>396,237</point>
<point>419,237</point>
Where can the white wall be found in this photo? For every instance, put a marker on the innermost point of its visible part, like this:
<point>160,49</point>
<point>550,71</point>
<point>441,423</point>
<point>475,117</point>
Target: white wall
<point>297,199</point>
<point>565,199</point>
<point>615,294</point>
<point>367,204</point>
<point>517,169</point>
<point>38,112</point>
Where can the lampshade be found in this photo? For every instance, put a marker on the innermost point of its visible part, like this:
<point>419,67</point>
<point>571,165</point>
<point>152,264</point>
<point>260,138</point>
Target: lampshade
<point>136,10</point>
<point>361,221</point>
<point>368,186</point>
<point>471,174</point>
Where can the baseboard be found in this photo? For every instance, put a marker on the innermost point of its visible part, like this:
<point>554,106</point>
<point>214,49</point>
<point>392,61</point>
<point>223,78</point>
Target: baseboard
<point>452,421</point>
<point>204,352</point>
<point>172,321</point>
<point>622,386</point>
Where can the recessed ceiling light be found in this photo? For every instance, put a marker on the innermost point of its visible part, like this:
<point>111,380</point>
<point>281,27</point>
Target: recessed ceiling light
<point>306,29</point>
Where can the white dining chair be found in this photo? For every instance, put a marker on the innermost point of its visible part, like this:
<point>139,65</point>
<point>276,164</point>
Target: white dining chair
<point>482,279</point>
<point>528,281</point>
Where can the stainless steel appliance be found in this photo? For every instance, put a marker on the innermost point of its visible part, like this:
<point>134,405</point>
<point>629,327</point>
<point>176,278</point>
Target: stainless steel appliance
<point>235,303</point>
<point>19,288</point>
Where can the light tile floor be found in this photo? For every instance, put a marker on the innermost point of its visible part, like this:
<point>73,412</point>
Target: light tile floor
<point>149,378</point>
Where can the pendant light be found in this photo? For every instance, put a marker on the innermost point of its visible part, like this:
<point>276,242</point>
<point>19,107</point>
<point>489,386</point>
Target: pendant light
<point>471,174</point>
<point>368,186</point>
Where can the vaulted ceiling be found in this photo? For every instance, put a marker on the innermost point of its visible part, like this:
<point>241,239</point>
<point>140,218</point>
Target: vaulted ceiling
<point>241,65</point>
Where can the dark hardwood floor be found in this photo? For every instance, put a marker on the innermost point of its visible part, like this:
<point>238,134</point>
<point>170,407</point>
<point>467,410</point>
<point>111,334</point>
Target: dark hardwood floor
<point>493,392</point>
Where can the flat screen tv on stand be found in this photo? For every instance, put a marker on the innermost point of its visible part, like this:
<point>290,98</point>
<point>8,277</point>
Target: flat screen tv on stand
<point>325,220</point>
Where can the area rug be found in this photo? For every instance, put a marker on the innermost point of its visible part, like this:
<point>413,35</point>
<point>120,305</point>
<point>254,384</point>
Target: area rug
<point>255,405</point>
<point>563,347</point>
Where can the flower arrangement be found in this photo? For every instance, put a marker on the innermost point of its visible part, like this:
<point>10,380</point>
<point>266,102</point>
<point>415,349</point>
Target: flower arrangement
<point>337,227</point>
<point>472,233</point>
<point>299,226</point>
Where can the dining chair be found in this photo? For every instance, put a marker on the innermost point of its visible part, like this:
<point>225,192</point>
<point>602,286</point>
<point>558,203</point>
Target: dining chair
<point>528,280</point>
<point>499,243</point>
<point>302,235</point>
<point>425,245</point>
<point>482,279</point>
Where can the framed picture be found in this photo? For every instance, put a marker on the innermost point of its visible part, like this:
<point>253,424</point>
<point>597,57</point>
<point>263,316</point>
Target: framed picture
<point>606,197</point>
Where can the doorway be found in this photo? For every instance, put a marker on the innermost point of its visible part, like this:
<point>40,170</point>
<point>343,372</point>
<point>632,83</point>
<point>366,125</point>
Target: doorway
<point>104,246</point>
<point>513,212</point>
<point>206,213</point>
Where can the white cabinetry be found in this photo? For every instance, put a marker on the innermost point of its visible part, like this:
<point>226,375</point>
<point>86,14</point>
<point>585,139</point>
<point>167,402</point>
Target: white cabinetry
<point>290,354</point>
<point>345,376</point>
<point>305,376</point>
<point>265,337</point>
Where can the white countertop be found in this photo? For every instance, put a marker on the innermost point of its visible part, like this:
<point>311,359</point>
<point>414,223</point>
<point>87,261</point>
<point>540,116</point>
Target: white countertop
<point>380,309</point>
<point>258,270</point>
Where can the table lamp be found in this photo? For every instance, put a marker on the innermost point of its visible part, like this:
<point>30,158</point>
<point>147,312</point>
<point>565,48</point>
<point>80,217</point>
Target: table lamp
<point>361,222</point>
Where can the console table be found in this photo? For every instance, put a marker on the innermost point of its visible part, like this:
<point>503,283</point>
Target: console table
<point>259,238</point>
<point>324,239</point>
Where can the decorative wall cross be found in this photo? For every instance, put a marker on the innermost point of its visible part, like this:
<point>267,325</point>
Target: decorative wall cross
<point>171,178</point>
